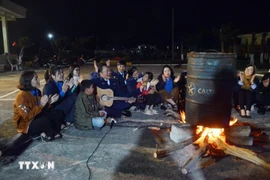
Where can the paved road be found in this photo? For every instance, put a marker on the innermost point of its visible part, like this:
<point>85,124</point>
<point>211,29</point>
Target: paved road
<point>124,153</point>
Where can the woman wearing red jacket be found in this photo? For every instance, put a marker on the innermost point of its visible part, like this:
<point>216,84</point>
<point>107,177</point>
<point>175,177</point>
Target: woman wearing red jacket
<point>149,91</point>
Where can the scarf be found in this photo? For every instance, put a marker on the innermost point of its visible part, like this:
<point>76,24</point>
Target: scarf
<point>35,93</point>
<point>246,81</point>
<point>169,85</point>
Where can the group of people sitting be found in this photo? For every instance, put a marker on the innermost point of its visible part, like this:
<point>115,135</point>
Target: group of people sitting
<point>74,100</point>
<point>249,90</point>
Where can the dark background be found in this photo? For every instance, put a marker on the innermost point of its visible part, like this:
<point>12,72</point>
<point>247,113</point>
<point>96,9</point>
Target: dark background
<point>129,23</point>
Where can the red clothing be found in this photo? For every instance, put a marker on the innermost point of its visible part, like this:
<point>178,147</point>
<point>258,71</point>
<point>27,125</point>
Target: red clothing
<point>145,90</point>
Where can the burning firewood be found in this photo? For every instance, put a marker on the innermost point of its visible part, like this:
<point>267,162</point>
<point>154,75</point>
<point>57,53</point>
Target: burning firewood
<point>181,145</point>
<point>180,116</point>
<point>196,157</point>
<point>241,153</point>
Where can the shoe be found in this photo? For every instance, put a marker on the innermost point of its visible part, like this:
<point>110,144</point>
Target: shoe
<point>58,136</point>
<point>64,126</point>
<point>126,113</point>
<point>175,107</point>
<point>169,106</point>
<point>248,114</point>
<point>242,113</point>
<point>70,124</point>
<point>113,120</point>
<point>148,112</point>
<point>45,138</point>
<point>154,111</point>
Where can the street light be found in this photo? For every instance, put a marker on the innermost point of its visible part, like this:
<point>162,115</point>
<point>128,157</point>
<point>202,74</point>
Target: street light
<point>50,36</point>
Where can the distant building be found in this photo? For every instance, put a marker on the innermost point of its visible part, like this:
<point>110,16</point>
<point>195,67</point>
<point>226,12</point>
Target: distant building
<point>246,39</point>
<point>259,51</point>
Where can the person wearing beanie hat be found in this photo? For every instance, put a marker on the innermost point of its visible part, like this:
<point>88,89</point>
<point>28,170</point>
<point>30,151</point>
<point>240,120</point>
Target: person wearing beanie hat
<point>247,82</point>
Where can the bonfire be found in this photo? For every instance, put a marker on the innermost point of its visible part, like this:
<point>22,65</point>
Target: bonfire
<point>212,141</point>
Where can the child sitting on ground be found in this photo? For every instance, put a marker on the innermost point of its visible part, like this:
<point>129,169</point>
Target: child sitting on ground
<point>149,91</point>
<point>88,113</point>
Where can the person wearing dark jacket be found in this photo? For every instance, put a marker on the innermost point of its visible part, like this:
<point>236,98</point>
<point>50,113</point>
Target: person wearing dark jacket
<point>168,86</point>
<point>55,85</point>
<point>263,94</point>
<point>121,75</point>
<point>247,84</point>
<point>106,82</point>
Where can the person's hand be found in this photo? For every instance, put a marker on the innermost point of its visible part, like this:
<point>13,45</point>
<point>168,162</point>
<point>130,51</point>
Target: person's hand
<point>54,98</point>
<point>163,77</point>
<point>101,113</point>
<point>65,87</point>
<point>152,91</point>
<point>127,76</point>
<point>43,100</point>
<point>252,79</point>
<point>108,62</point>
<point>95,66</point>
<point>177,79</point>
<point>241,75</point>
<point>154,82</point>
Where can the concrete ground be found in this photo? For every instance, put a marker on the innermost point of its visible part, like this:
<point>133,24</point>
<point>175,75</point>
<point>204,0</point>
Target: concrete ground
<point>123,152</point>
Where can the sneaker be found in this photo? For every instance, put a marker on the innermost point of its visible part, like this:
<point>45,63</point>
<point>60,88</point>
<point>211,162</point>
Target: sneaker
<point>154,111</point>
<point>113,120</point>
<point>70,124</point>
<point>170,106</point>
<point>148,112</point>
<point>64,126</point>
<point>58,136</point>
<point>133,108</point>
<point>45,138</point>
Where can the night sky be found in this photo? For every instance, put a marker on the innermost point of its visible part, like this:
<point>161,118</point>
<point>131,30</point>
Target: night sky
<point>135,22</point>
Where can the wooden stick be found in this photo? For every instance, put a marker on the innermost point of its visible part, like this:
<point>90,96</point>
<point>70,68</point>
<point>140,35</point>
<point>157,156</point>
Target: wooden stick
<point>157,138</point>
<point>241,153</point>
<point>150,121</point>
<point>196,157</point>
<point>172,113</point>
<point>181,145</point>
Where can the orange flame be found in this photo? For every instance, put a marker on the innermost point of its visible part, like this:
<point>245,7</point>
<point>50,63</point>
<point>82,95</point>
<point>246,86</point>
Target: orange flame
<point>232,122</point>
<point>183,117</point>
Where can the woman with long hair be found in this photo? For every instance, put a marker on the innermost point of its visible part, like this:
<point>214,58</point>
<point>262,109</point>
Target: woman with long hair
<point>56,85</point>
<point>30,114</point>
<point>168,87</point>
